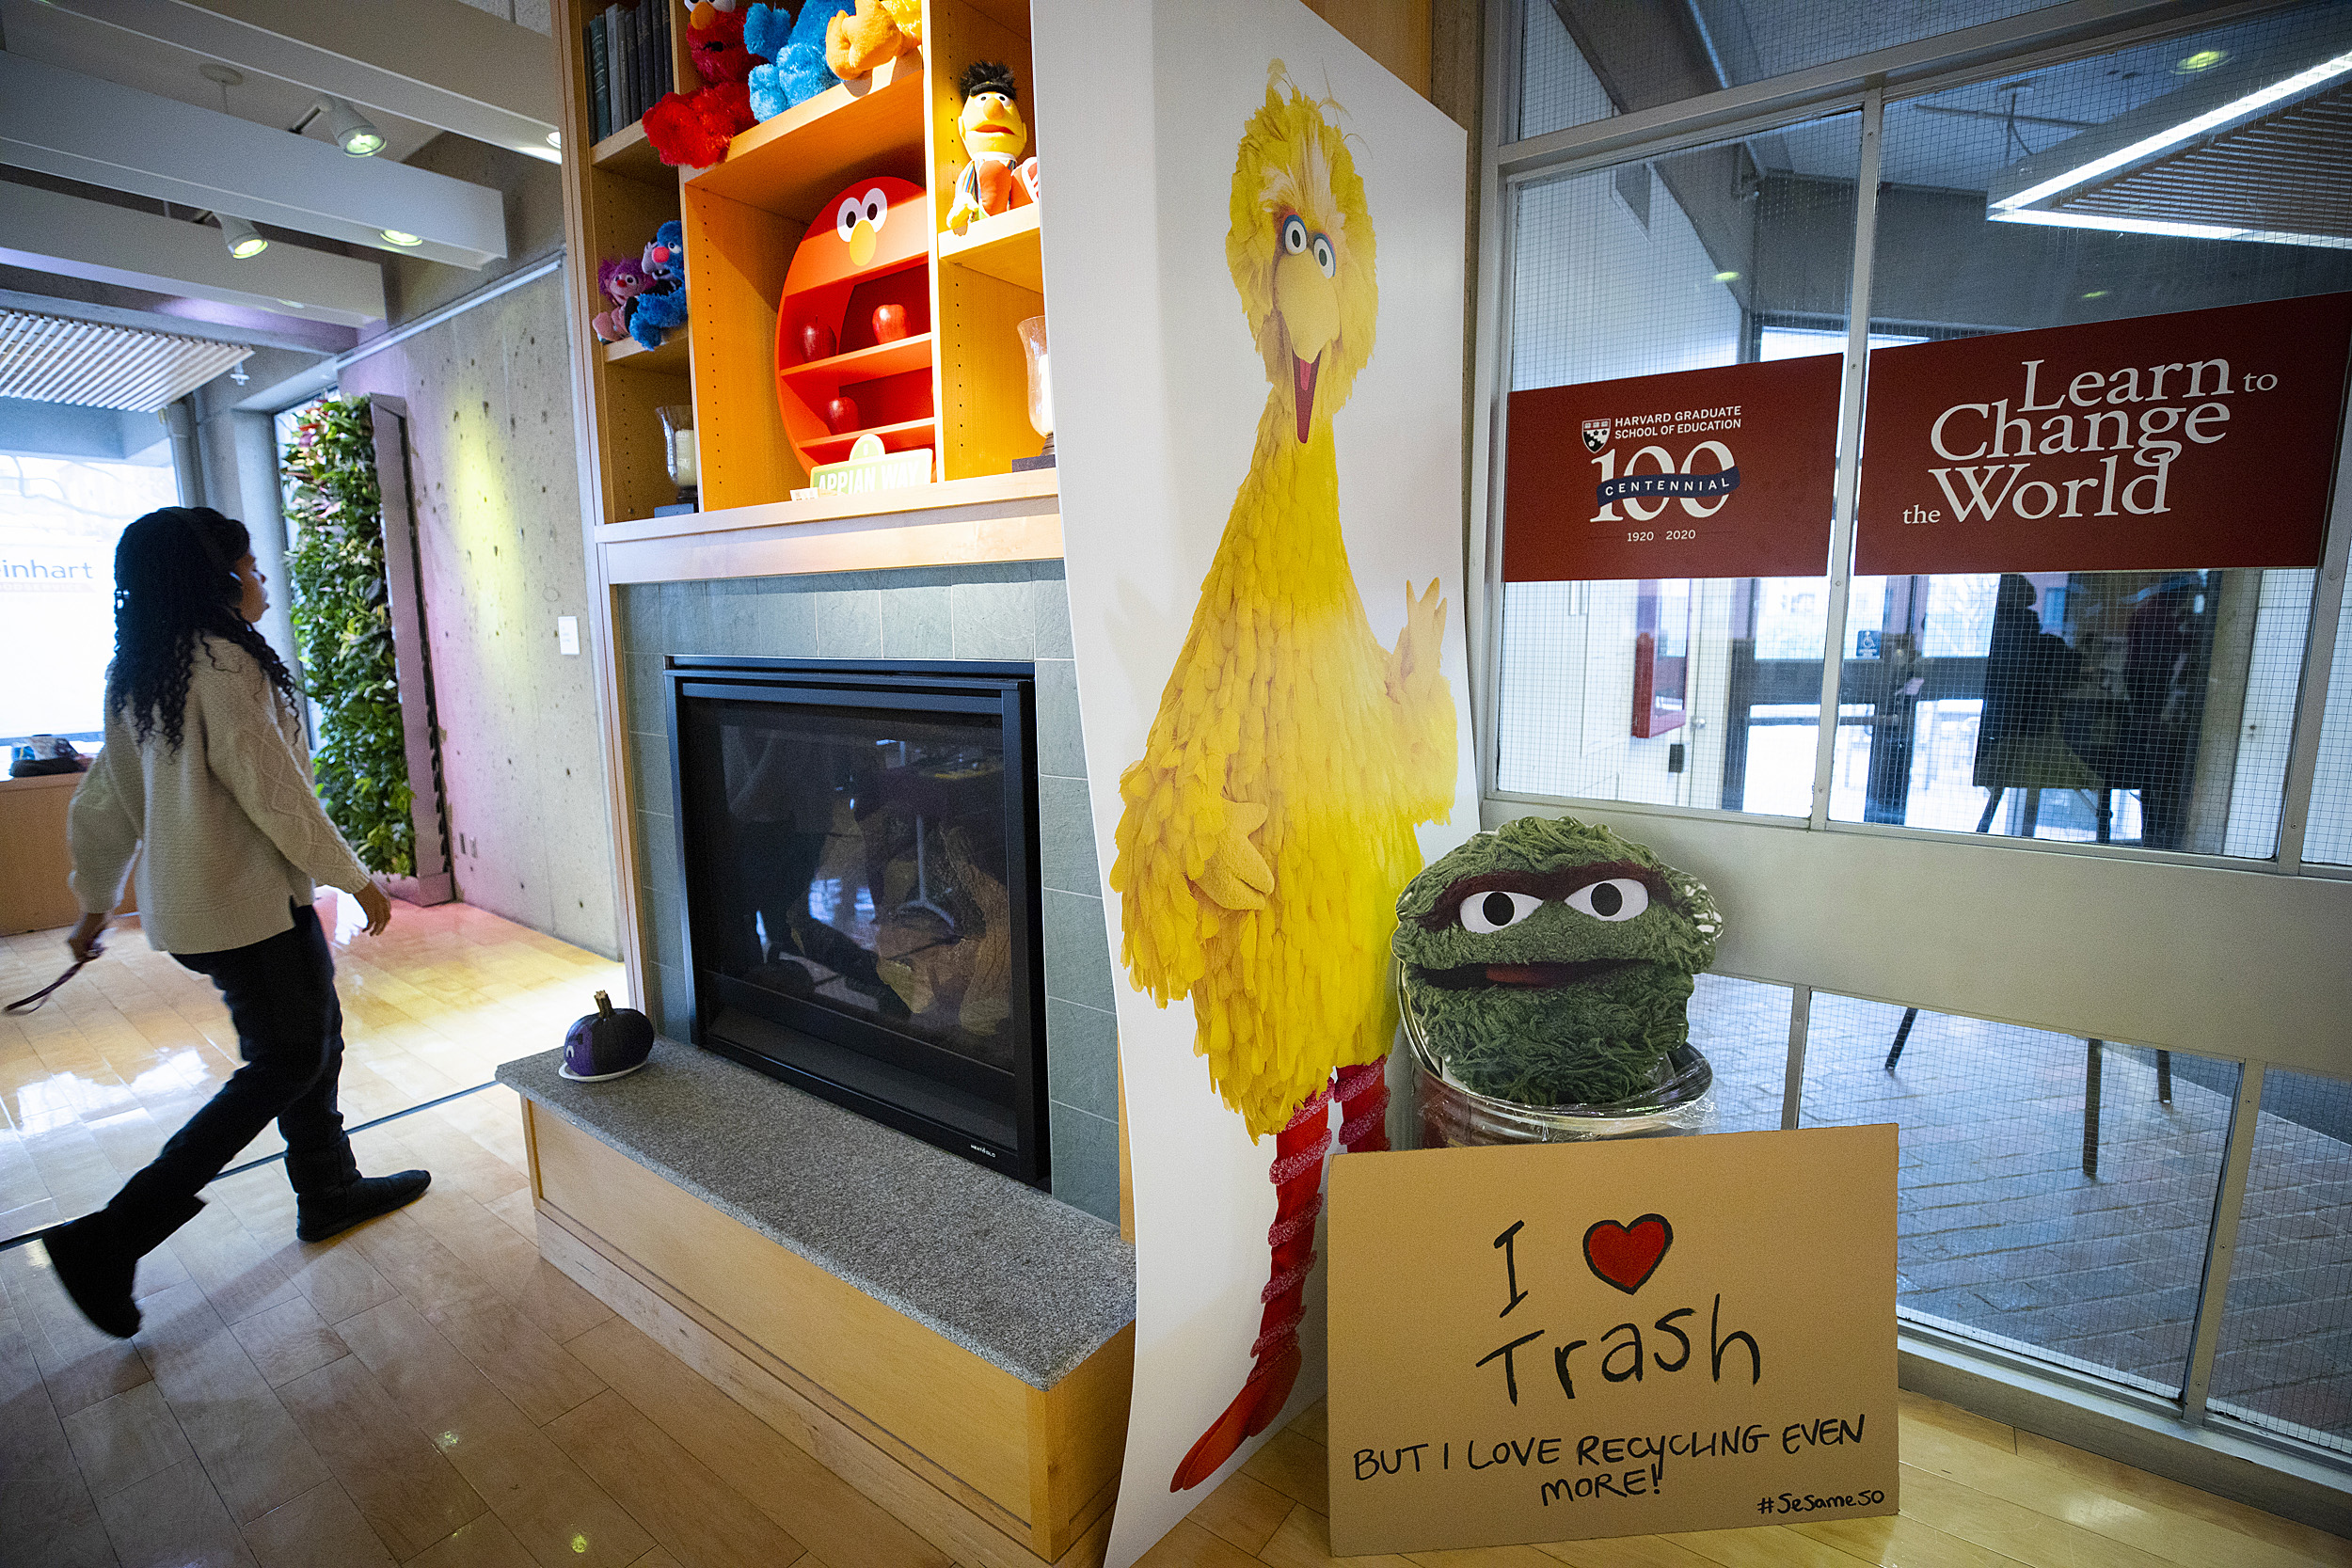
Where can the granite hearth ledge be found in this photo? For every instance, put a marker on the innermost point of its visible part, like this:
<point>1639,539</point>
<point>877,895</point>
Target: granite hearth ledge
<point>1029,1285</point>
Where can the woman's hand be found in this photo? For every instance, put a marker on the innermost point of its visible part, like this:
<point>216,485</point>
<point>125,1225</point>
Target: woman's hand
<point>82,941</point>
<point>377,908</point>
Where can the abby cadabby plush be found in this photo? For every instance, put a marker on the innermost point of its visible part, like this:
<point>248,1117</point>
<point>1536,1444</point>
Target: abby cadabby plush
<point>620,280</point>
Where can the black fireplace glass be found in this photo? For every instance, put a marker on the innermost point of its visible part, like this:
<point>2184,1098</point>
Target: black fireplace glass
<point>861,880</point>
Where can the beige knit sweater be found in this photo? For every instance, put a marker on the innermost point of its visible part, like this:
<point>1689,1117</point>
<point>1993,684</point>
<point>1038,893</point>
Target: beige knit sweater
<point>230,822</point>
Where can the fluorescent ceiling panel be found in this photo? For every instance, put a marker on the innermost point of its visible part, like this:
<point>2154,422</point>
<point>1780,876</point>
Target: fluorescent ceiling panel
<point>91,365</point>
<point>82,128</point>
<point>50,232</point>
<point>442,63</point>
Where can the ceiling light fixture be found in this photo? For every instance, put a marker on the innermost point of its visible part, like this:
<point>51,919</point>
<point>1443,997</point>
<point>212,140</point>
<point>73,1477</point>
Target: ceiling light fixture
<point>2048,219</point>
<point>245,242</point>
<point>555,139</point>
<point>2015,206</point>
<point>2204,59</point>
<point>1726,277</point>
<point>350,129</point>
<point>404,241</point>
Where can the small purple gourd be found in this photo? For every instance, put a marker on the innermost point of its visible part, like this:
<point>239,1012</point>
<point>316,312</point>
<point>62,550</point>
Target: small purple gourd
<point>607,1043</point>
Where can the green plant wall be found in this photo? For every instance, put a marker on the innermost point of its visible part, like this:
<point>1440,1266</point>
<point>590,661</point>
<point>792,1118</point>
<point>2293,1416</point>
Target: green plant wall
<point>343,631</point>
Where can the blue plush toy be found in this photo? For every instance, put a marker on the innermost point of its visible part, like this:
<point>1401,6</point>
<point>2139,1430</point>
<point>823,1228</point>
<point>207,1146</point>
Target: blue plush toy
<point>661,309</point>
<point>797,48</point>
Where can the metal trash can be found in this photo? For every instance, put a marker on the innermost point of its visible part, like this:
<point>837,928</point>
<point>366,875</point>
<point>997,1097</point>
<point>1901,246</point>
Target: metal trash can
<point>1451,1115</point>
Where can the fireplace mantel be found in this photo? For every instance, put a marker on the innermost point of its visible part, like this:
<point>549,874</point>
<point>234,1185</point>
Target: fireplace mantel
<point>965,522</point>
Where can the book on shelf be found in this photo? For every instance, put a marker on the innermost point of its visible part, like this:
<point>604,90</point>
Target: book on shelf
<point>616,33</point>
<point>641,20</point>
<point>600,81</point>
<point>662,67</point>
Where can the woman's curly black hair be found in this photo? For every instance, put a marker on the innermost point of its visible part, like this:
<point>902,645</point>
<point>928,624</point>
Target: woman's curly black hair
<point>176,585</point>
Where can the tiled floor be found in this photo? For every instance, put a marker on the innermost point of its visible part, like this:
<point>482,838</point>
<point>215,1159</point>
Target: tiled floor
<point>2003,1236</point>
<point>426,1391</point>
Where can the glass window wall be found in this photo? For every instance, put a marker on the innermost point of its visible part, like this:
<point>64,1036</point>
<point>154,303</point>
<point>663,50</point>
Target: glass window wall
<point>1677,263</point>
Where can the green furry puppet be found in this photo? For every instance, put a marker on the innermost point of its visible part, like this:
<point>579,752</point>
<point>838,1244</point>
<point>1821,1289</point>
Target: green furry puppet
<point>1550,962</point>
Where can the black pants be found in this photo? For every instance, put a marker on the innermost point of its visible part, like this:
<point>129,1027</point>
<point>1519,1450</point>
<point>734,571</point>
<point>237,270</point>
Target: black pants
<point>280,994</point>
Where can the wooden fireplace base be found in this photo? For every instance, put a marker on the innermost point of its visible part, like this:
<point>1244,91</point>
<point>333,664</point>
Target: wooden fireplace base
<point>994,1472</point>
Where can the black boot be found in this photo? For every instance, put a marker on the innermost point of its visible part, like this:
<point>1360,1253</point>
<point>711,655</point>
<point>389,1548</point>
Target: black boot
<point>320,1214</point>
<point>97,1259</point>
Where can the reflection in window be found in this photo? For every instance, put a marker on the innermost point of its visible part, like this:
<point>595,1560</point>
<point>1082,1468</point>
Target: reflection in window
<point>2283,1363</point>
<point>2145,707</point>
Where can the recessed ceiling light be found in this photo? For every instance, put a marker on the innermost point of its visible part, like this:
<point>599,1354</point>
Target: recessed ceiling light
<point>397,237</point>
<point>2096,294</point>
<point>555,139</point>
<point>244,240</point>
<point>2204,59</point>
<point>351,130</point>
<point>1726,277</point>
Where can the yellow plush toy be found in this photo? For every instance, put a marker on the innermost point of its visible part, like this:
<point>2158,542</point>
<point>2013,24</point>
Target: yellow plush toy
<point>881,30</point>
<point>997,179</point>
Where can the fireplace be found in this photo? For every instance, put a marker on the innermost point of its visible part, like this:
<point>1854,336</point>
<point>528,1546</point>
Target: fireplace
<point>860,866</point>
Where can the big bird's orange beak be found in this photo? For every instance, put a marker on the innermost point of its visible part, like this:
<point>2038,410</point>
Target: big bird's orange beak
<point>1308,304</point>
<point>1303,391</point>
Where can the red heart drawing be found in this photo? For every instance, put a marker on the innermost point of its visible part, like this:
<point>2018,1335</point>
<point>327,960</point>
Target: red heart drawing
<point>1627,1255</point>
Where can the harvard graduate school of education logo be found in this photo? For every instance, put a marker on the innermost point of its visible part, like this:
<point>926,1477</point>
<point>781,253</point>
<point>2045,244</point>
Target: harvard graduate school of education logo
<point>1596,434</point>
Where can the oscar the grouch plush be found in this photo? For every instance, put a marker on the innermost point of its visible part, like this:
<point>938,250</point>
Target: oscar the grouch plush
<point>1551,963</point>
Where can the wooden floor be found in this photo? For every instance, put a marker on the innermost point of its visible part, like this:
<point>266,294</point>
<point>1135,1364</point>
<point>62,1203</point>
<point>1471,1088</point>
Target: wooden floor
<point>425,1390</point>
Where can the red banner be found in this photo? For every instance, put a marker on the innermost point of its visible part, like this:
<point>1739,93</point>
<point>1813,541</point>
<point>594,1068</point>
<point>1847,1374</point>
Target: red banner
<point>2158,443</point>
<point>1727,472</point>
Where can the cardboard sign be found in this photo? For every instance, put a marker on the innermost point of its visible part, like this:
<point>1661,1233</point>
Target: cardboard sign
<point>1717,473</point>
<point>1557,1341</point>
<point>2158,443</point>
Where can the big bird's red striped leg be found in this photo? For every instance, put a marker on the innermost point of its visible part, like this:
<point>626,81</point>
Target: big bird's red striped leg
<point>1363,1095</point>
<point>1297,1178</point>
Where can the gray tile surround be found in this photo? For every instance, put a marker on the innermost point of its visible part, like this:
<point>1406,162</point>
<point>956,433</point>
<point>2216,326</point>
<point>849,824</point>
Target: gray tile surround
<point>1014,611</point>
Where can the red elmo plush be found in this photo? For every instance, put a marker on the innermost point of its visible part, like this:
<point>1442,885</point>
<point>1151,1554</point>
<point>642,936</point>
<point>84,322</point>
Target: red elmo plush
<point>694,132</point>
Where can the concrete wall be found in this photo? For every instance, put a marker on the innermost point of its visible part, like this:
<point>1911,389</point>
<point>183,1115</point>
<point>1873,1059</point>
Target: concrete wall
<point>992,612</point>
<point>496,485</point>
<point>238,452</point>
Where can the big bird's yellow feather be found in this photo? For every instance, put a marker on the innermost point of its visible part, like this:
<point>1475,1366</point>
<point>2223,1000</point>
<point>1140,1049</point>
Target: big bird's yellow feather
<point>1268,827</point>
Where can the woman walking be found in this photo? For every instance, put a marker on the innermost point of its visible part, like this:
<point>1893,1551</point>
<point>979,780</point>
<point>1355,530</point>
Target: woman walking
<point>205,778</point>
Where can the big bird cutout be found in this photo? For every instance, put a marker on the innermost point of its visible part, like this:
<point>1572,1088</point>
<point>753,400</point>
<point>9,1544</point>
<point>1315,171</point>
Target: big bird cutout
<point>1268,827</point>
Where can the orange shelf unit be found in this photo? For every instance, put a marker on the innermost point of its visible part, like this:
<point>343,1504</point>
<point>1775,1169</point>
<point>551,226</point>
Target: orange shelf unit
<point>823,378</point>
<point>837,284</point>
<point>905,435</point>
<point>745,220</point>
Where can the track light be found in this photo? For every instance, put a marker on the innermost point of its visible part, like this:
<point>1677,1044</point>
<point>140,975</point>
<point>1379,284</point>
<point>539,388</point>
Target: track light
<point>245,242</point>
<point>350,130</point>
